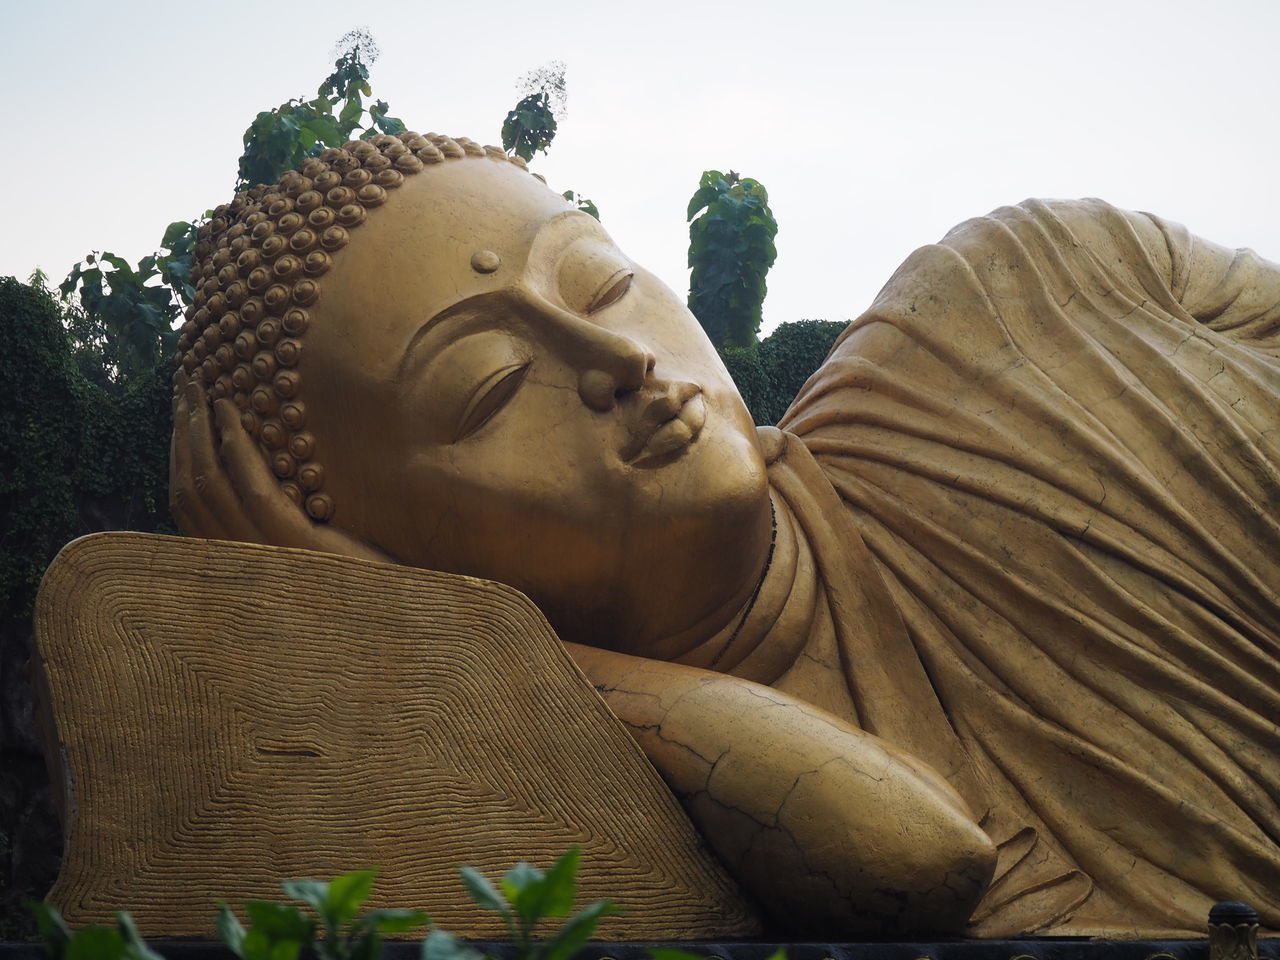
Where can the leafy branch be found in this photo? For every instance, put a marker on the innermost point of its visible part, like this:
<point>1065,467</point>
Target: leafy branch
<point>129,312</point>
<point>531,125</point>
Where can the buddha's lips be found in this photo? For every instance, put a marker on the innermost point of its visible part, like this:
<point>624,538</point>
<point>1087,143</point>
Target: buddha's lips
<point>667,423</point>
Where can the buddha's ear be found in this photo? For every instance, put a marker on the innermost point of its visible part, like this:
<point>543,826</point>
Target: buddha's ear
<point>221,488</point>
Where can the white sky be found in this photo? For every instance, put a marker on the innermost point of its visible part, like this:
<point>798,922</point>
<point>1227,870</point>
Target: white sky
<point>875,126</point>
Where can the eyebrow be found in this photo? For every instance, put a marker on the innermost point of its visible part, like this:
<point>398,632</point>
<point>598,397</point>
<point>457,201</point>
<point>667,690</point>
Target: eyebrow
<point>572,216</point>
<point>557,223</point>
<point>472,305</point>
<point>470,308</point>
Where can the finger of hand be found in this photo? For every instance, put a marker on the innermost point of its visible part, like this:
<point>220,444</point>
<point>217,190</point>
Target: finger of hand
<point>281,520</point>
<point>176,443</point>
<point>269,509</point>
<point>209,475</point>
<point>186,503</point>
<point>179,381</point>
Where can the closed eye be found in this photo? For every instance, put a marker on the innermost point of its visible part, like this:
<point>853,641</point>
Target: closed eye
<point>490,397</point>
<point>612,291</point>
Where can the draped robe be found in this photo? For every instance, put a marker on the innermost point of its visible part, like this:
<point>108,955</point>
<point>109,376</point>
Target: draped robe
<point>1039,484</point>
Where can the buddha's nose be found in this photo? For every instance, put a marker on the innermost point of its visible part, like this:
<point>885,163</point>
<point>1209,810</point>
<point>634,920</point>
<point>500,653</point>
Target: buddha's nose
<point>611,363</point>
<point>619,366</point>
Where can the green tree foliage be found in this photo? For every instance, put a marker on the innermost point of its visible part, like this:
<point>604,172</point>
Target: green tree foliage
<point>137,308</point>
<point>281,139</point>
<point>85,436</point>
<point>85,419</point>
<point>84,446</point>
<point>39,438</point>
<point>127,314</point>
<point>531,125</point>
<point>769,376</point>
<point>731,234</point>
<point>744,366</point>
<point>85,405</point>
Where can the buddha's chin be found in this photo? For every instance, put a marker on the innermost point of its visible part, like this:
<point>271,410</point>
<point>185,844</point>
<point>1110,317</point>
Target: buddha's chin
<point>689,571</point>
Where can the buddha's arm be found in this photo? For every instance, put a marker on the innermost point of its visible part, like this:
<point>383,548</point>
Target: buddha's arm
<point>821,822</point>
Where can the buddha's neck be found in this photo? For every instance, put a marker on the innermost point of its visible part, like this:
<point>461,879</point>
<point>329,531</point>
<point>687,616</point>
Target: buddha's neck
<point>780,617</point>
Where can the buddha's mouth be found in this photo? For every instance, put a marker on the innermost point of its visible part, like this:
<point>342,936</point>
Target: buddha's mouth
<point>668,424</point>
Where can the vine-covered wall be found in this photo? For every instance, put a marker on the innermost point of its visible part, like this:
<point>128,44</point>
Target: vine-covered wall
<point>770,374</point>
<point>83,448</point>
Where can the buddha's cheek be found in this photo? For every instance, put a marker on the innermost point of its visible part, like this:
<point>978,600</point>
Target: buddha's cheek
<point>502,518</point>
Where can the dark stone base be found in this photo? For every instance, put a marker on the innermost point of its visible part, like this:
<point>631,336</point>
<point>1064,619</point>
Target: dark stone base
<point>1049,948</point>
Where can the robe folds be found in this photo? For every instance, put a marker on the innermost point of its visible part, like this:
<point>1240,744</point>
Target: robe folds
<point>1040,482</point>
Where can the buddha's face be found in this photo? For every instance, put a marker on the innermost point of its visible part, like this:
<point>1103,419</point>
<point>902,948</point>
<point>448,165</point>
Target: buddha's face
<point>497,390</point>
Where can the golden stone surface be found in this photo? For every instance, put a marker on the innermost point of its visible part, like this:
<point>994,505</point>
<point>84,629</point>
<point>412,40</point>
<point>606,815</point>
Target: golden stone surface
<point>985,639</point>
<point>230,716</point>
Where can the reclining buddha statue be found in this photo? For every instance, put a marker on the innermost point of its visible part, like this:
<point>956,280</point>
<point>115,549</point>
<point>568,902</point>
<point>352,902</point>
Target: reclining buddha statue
<point>983,637</point>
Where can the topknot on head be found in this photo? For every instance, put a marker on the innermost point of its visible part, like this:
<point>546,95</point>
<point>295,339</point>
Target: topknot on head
<point>257,262</point>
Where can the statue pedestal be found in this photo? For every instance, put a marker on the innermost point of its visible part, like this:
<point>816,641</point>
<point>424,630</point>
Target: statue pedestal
<point>222,717</point>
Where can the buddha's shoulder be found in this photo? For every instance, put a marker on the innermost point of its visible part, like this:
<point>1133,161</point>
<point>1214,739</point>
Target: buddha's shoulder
<point>1014,248</point>
<point>955,293</point>
<point>1088,223</point>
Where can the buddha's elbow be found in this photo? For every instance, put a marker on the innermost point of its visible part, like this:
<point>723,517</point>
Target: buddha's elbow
<point>859,851</point>
<point>923,870</point>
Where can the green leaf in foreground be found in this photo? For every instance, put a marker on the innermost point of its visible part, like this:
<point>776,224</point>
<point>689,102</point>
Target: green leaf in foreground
<point>95,943</point>
<point>53,929</point>
<point>279,921</point>
<point>440,945</point>
<point>394,921</point>
<point>314,893</point>
<point>121,942</point>
<point>135,948</point>
<point>539,895</point>
<point>577,930</point>
<point>229,929</point>
<point>348,893</point>
<point>536,895</point>
<point>482,891</point>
